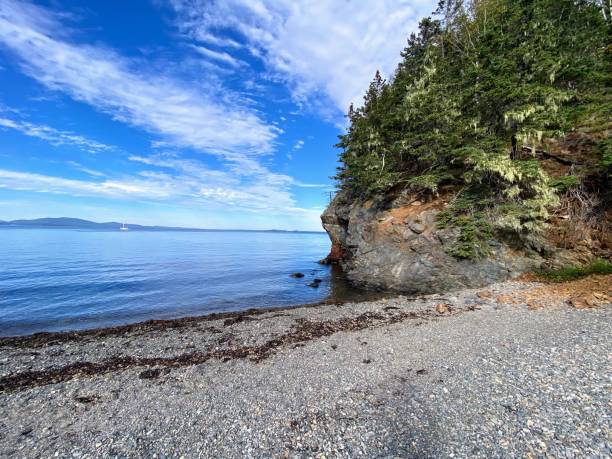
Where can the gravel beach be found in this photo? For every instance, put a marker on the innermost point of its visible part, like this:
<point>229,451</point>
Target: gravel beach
<point>475,373</point>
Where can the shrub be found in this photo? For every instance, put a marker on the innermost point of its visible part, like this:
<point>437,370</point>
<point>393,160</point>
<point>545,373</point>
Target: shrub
<point>569,273</point>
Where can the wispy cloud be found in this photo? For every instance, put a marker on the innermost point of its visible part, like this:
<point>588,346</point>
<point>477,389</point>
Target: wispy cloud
<point>26,181</point>
<point>323,49</point>
<point>86,170</point>
<point>54,136</point>
<point>219,56</point>
<point>171,179</point>
<point>207,121</point>
<point>298,145</point>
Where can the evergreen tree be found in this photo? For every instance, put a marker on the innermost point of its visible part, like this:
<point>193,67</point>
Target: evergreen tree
<point>481,80</point>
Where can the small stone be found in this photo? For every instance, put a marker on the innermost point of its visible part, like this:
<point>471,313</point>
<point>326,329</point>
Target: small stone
<point>416,227</point>
<point>153,373</point>
<point>296,275</point>
<point>442,308</point>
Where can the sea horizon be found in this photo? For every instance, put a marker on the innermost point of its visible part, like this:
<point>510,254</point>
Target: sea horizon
<point>80,223</point>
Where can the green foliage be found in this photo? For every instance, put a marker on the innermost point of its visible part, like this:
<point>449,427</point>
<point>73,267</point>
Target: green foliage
<point>562,184</point>
<point>605,150</point>
<point>475,231</point>
<point>570,273</point>
<point>476,79</point>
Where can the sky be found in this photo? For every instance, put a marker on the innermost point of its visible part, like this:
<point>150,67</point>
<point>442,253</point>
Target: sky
<point>207,114</point>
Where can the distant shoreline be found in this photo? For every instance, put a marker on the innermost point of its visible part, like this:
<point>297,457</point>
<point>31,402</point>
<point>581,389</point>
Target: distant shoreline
<point>155,230</point>
<point>80,224</point>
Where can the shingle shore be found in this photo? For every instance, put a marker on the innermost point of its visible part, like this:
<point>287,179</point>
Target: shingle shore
<point>460,374</point>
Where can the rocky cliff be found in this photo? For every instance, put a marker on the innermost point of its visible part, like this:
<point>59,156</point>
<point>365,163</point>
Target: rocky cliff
<point>398,246</point>
<point>395,241</point>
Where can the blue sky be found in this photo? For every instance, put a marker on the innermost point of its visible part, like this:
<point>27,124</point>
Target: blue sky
<point>216,114</point>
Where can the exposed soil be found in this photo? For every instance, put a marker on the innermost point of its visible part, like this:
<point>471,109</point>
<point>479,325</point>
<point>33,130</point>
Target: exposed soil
<point>592,291</point>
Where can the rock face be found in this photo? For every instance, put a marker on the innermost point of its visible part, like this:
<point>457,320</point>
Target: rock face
<point>399,247</point>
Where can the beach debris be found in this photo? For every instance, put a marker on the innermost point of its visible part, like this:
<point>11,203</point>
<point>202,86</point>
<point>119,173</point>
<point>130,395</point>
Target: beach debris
<point>296,275</point>
<point>442,308</point>
<point>153,373</point>
<point>302,331</point>
<point>87,398</point>
<point>421,372</point>
<point>366,357</point>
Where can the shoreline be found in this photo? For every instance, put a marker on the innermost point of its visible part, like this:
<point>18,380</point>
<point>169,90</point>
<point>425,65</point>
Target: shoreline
<point>45,337</point>
<point>304,377</point>
<point>360,294</point>
<point>56,337</point>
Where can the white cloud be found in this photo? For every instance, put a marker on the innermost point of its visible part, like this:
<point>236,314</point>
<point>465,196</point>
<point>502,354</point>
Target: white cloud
<point>86,170</point>
<point>298,145</point>
<point>219,56</point>
<point>26,181</point>
<point>223,42</point>
<point>183,181</point>
<point>268,190</point>
<point>329,48</point>
<point>209,122</point>
<point>54,136</point>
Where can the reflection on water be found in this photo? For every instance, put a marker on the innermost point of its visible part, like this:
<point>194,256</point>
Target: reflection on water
<point>342,291</point>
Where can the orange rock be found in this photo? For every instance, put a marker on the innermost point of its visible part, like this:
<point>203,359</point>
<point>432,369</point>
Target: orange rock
<point>484,294</point>
<point>442,308</point>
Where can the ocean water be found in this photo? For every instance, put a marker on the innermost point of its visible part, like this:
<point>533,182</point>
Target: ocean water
<point>56,279</point>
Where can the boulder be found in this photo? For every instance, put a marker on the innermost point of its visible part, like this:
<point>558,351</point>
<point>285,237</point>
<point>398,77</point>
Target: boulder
<point>315,283</point>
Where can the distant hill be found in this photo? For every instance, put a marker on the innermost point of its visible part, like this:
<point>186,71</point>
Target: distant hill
<point>77,223</point>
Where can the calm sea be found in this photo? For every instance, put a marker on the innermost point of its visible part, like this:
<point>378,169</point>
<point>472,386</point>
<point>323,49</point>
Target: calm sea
<point>53,280</point>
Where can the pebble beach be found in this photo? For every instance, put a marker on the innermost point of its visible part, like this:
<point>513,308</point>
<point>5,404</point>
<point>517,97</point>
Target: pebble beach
<point>473,373</point>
